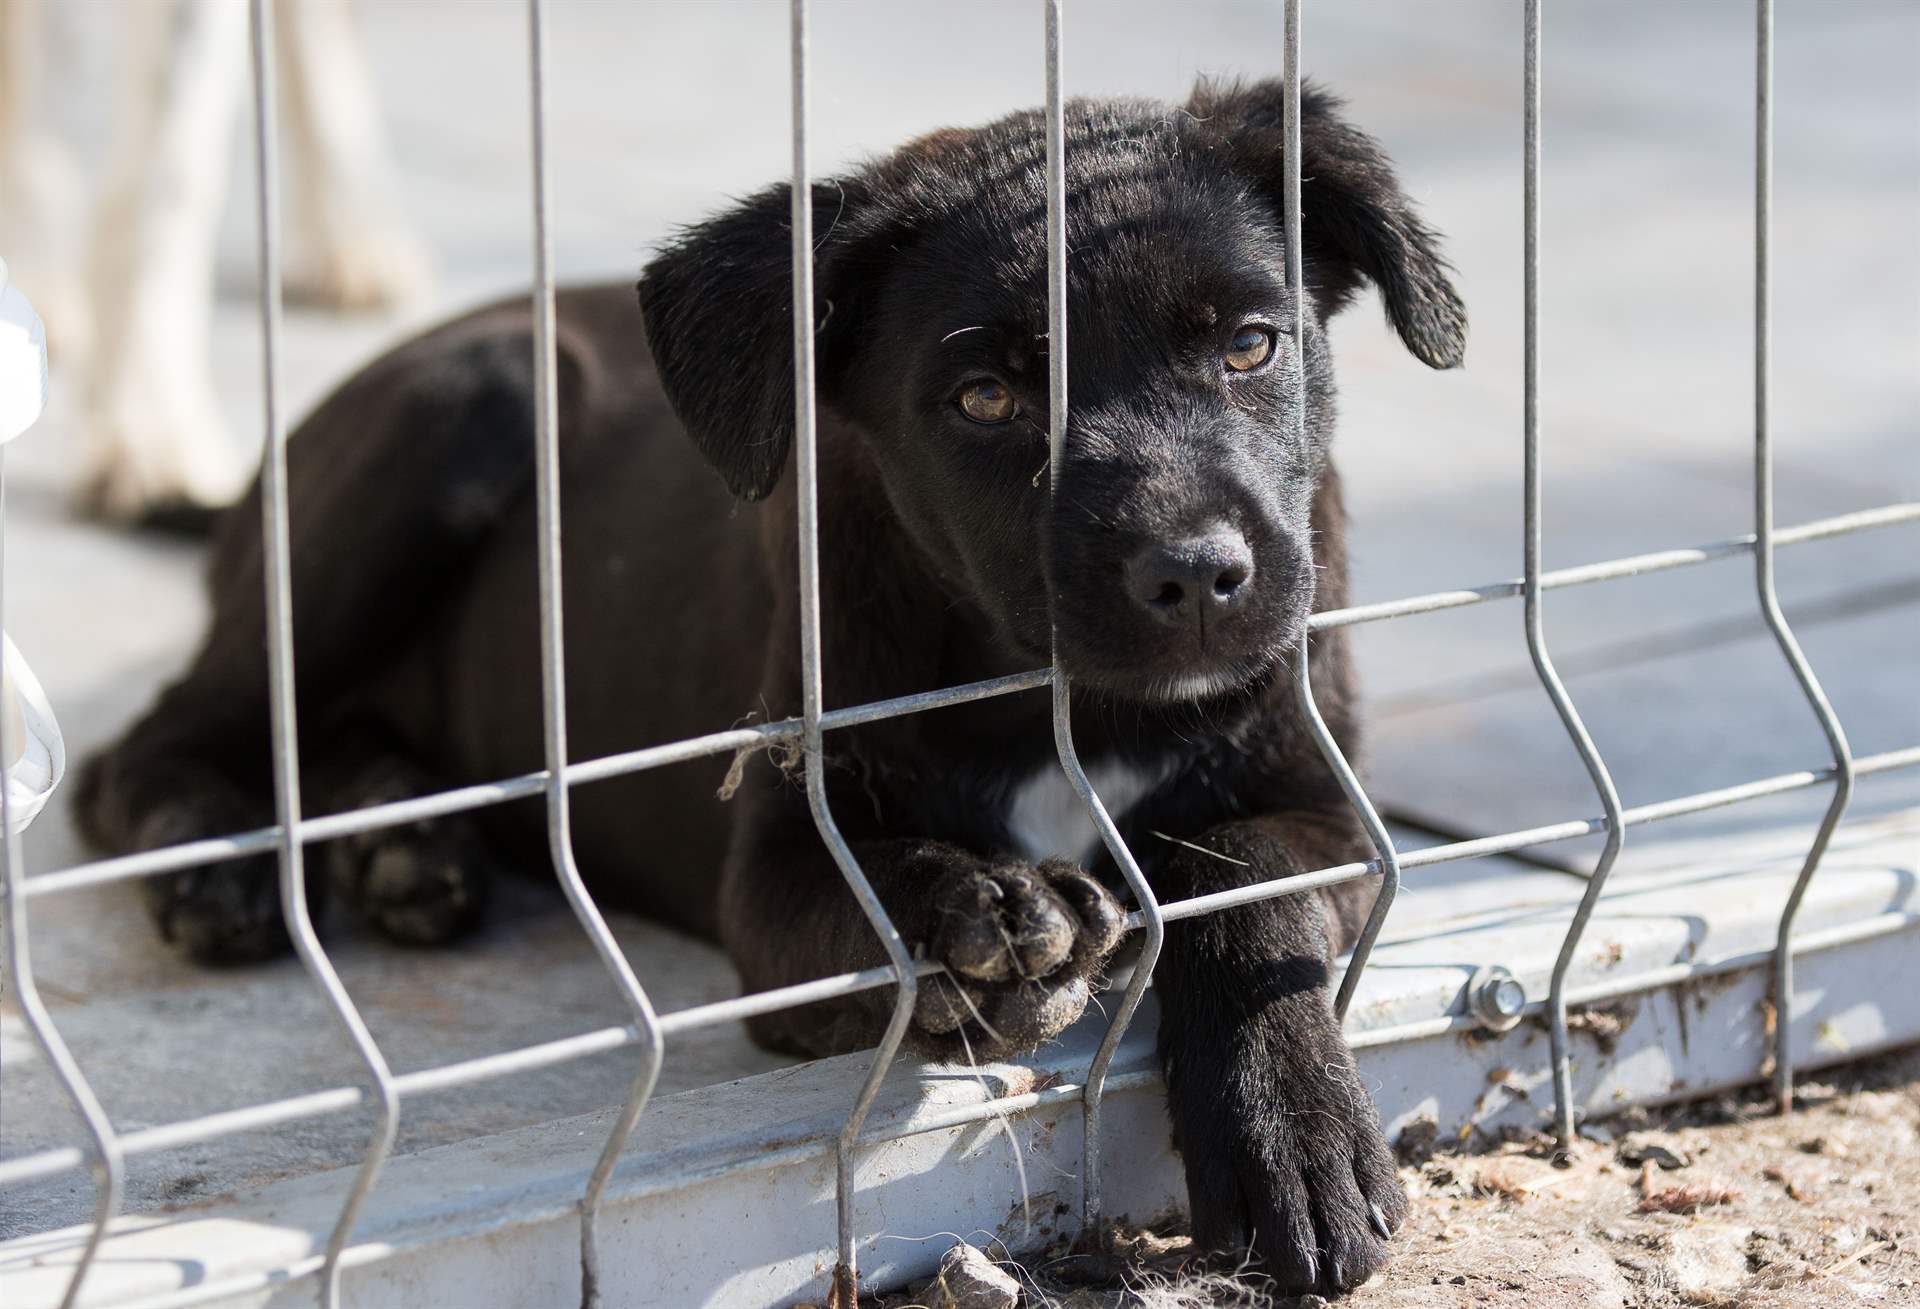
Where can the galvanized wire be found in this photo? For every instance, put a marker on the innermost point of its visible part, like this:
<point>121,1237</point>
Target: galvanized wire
<point>107,1157</point>
<point>583,1045</point>
<point>1870,929</point>
<point>278,550</point>
<point>553,684</point>
<point>1330,751</point>
<point>190,854</point>
<point>1535,621</point>
<point>1641,565</point>
<point>292,832</point>
<point>1148,915</point>
<point>1763,552</point>
<point>846,1278</point>
<point>1864,930</point>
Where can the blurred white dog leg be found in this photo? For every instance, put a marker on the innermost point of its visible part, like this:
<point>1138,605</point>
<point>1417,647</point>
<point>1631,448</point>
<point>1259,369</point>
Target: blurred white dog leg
<point>40,200</point>
<point>157,435</point>
<point>350,248</point>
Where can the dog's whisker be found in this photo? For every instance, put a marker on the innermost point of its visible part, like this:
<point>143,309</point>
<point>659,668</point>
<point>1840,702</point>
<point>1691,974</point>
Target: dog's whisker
<point>1200,849</point>
<point>821,242</point>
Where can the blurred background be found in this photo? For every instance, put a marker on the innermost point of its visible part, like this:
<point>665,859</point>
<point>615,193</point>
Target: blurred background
<point>662,111</point>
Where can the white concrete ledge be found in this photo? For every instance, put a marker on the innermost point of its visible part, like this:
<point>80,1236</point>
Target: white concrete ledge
<point>726,1195</point>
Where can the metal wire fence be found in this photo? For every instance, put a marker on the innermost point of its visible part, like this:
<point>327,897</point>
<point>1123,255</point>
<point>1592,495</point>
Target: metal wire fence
<point>109,1148</point>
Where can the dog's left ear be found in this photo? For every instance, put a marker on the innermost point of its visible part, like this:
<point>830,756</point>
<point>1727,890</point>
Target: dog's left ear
<point>1358,223</point>
<point>718,307</point>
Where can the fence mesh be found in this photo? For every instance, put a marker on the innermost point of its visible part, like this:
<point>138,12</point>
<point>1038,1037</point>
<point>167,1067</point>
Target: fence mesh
<point>108,1149</point>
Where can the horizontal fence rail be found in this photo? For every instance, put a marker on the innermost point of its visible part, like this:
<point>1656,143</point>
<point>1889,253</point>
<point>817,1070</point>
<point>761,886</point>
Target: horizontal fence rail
<point>191,854</point>
<point>466,1072</point>
<point>108,1150</point>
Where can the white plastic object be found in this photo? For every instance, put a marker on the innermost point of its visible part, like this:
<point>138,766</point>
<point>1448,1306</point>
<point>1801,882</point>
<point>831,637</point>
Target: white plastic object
<point>32,730</point>
<point>36,757</point>
<point>23,361</point>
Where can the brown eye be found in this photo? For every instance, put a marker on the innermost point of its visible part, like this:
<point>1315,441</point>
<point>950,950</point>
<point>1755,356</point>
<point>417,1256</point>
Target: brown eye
<point>1250,348</point>
<point>988,402</point>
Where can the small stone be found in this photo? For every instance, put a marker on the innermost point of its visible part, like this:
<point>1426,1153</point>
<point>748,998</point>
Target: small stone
<point>1415,1143</point>
<point>1640,1150</point>
<point>970,1280</point>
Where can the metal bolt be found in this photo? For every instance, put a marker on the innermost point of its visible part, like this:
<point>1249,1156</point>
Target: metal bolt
<point>1496,997</point>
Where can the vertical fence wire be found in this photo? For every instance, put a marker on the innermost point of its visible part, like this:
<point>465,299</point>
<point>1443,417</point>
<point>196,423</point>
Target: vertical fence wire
<point>280,679</point>
<point>553,678</point>
<point>1763,552</point>
<point>1330,750</point>
<point>107,1154</point>
<point>807,493</point>
<point>106,1159</point>
<point>1535,623</point>
<point>1153,926</point>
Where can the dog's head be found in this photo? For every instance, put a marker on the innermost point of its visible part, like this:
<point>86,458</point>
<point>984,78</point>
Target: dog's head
<point>1175,560</point>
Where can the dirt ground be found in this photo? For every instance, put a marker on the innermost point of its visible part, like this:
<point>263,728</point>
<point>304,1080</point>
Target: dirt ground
<point>1717,1203</point>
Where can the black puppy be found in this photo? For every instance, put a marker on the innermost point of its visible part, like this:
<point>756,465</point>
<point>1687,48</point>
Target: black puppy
<point>1199,524</point>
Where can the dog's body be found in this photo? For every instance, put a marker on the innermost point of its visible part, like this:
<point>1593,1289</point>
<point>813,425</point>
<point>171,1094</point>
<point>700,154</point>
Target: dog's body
<point>1176,577</point>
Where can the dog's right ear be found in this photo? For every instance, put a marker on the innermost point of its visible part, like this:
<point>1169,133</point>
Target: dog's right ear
<point>1358,224</point>
<point>718,307</point>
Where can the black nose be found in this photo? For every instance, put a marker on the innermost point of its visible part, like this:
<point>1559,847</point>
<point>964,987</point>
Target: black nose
<point>1193,581</point>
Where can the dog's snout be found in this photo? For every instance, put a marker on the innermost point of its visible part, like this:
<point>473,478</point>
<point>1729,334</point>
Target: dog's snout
<point>1192,580</point>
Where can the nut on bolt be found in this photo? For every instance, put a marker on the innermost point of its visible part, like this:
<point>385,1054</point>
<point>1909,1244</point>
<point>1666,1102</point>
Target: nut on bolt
<point>1496,997</point>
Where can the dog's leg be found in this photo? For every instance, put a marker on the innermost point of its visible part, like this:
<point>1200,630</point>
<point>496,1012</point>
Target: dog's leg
<point>39,184</point>
<point>351,250</point>
<point>424,883</point>
<point>1282,1145</point>
<point>1023,943</point>
<point>158,438</point>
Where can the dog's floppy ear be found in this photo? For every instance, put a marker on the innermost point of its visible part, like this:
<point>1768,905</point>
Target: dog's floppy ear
<point>1358,222</point>
<point>718,307</point>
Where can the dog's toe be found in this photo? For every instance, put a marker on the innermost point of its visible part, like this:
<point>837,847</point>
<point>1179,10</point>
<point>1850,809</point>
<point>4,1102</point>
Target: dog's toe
<point>1002,925</point>
<point>1101,921</point>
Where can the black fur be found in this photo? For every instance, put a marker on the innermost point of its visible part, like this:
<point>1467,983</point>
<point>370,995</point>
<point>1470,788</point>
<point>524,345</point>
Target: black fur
<point>945,560</point>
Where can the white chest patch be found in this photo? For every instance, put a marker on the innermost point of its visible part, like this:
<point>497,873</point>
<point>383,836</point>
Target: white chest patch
<point>1048,821</point>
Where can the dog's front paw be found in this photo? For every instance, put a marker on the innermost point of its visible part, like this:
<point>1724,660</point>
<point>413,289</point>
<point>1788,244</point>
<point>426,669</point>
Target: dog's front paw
<point>426,884</point>
<point>222,913</point>
<point>1022,944</point>
<point>1286,1162</point>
